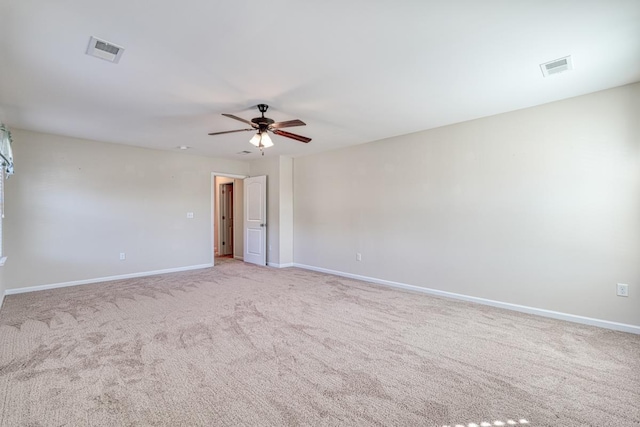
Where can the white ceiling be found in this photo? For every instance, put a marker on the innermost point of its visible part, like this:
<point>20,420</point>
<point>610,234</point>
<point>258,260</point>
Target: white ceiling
<point>355,71</point>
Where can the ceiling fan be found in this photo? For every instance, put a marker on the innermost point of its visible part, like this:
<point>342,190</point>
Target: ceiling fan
<point>263,124</point>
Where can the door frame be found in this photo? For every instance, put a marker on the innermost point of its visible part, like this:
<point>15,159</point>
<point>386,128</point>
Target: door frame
<point>212,197</point>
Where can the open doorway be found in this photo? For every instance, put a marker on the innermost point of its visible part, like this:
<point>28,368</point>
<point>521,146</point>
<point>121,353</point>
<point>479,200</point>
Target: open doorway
<point>225,219</point>
<point>227,224</point>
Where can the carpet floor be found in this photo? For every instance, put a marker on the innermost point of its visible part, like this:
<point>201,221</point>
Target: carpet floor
<point>239,344</point>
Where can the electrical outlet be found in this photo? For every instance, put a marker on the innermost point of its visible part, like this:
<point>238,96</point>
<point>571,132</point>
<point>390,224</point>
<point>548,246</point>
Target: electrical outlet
<point>358,256</point>
<point>622,290</point>
<point>190,215</point>
<point>123,256</point>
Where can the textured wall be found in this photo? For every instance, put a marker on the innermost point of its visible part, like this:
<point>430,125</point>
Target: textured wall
<point>538,207</point>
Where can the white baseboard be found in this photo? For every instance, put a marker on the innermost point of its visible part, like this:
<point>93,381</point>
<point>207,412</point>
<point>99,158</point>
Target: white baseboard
<point>515,307</point>
<point>273,264</point>
<point>103,279</point>
<point>238,257</point>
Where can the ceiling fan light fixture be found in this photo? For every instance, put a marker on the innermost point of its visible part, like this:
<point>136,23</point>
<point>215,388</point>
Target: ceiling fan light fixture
<point>266,140</point>
<point>256,139</point>
<point>261,140</point>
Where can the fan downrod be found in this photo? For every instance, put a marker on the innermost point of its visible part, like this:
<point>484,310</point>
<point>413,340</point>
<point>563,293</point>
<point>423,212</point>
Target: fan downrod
<point>263,108</point>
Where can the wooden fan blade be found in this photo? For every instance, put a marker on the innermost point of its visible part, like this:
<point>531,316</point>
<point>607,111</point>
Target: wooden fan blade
<point>288,124</point>
<point>292,135</point>
<point>231,116</point>
<point>231,131</point>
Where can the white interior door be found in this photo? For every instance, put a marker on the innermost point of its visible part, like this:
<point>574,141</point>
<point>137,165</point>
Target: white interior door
<point>255,220</point>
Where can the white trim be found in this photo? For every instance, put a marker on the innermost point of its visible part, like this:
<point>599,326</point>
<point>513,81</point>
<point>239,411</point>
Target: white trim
<point>273,264</point>
<point>103,279</point>
<point>3,259</point>
<point>229,175</point>
<point>515,307</point>
<point>238,257</point>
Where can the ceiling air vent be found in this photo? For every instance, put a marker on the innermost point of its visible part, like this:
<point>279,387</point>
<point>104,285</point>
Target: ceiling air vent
<point>104,50</point>
<point>556,66</point>
<point>245,152</point>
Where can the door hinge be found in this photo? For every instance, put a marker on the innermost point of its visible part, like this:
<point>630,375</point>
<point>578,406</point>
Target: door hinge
<point>223,243</point>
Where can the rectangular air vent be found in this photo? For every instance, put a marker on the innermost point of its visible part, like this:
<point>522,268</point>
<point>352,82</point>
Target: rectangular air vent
<point>104,50</point>
<point>245,152</point>
<point>556,66</point>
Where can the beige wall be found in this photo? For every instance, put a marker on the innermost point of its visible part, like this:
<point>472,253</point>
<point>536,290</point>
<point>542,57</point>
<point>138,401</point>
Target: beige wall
<point>74,205</point>
<point>538,207</point>
<point>286,210</point>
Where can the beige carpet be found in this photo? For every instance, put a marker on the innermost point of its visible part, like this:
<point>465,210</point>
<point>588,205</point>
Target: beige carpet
<point>245,345</point>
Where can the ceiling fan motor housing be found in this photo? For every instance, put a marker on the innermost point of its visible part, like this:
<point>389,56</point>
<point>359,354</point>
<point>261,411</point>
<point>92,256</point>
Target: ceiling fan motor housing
<point>262,122</point>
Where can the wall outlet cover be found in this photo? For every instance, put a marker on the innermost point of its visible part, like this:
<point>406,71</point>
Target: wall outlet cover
<point>622,290</point>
